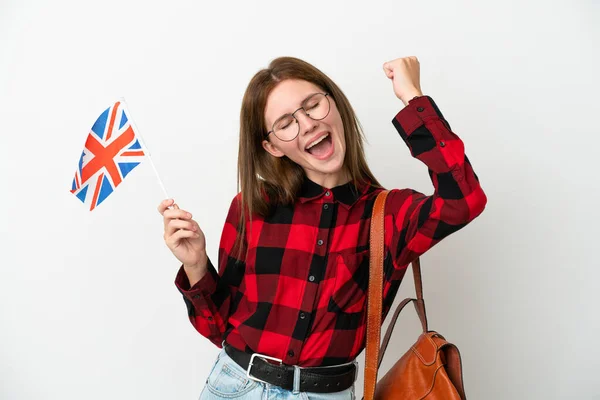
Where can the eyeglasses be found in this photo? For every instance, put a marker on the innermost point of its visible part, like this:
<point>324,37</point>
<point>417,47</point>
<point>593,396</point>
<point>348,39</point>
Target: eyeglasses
<point>287,128</point>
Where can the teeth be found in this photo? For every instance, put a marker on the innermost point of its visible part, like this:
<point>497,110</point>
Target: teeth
<point>317,142</point>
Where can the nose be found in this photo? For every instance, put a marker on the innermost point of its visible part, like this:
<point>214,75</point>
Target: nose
<point>307,124</point>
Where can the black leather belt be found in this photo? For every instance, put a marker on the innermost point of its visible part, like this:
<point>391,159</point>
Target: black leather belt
<point>326,379</point>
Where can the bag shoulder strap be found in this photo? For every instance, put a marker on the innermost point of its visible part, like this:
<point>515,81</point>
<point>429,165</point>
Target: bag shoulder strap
<point>373,354</point>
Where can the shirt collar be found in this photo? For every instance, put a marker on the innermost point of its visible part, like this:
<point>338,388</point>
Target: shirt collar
<point>346,194</point>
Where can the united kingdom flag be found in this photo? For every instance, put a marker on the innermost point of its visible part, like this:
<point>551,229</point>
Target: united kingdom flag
<point>111,152</point>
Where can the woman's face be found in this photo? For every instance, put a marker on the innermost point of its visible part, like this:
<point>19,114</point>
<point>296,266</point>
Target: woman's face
<point>323,162</point>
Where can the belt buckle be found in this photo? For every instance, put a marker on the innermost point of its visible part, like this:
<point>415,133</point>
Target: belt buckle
<point>251,363</point>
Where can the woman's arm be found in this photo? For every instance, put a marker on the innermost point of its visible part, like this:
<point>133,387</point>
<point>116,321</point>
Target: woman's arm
<point>209,300</point>
<point>418,221</point>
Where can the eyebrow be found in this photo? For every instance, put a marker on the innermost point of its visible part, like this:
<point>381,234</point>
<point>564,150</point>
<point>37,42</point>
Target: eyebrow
<point>301,103</point>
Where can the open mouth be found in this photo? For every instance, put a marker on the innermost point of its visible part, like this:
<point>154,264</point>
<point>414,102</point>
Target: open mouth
<point>322,148</point>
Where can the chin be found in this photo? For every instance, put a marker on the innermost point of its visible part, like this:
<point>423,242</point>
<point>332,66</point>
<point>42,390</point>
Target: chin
<point>334,167</point>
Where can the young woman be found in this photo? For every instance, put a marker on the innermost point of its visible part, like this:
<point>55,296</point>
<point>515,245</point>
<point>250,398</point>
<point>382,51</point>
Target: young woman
<point>286,302</point>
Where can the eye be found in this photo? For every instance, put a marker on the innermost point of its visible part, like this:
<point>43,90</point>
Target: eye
<point>312,106</point>
<point>312,102</point>
<point>284,123</point>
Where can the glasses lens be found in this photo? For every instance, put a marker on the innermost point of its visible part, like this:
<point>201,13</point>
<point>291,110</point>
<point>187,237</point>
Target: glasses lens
<point>286,128</point>
<point>317,106</point>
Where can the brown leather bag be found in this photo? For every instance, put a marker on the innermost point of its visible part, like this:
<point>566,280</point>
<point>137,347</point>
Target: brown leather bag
<point>431,369</point>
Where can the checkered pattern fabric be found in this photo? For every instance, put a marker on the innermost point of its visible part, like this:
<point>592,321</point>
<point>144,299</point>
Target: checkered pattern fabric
<point>299,293</point>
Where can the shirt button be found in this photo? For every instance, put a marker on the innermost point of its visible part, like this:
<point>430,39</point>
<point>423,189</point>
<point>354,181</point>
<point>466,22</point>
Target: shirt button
<point>419,109</point>
<point>196,296</point>
<point>327,193</point>
<point>311,278</point>
<point>302,315</point>
<point>320,242</point>
<point>291,353</point>
<point>326,206</point>
<point>442,144</point>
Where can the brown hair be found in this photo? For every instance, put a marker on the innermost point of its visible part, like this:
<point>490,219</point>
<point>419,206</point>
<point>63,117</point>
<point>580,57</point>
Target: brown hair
<point>265,180</point>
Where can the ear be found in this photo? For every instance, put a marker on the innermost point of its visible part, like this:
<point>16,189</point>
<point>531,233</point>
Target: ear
<point>272,149</point>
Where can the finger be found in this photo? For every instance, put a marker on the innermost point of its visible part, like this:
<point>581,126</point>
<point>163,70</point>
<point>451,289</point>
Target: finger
<point>171,214</point>
<point>196,225</point>
<point>176,224</point>
<point>174,239</point>
<point>388,70</point>
<point>164,205</point>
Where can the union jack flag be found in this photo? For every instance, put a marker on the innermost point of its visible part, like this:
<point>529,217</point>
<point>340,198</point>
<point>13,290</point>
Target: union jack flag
<point>111,152</point>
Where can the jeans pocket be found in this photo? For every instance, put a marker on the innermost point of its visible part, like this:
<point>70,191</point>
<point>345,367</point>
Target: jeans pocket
<point>228,380</point>
<point>214,365</point>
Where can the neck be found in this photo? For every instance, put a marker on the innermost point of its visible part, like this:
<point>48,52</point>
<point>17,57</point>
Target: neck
<point>329,180</point>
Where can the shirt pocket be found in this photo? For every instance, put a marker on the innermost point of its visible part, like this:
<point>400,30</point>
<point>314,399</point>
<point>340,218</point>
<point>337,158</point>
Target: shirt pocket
<point>351,282</point>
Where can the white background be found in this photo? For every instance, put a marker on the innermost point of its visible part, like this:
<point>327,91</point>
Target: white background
<point>88,308</point>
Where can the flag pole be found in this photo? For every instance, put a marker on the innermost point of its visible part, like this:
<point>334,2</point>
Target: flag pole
<point>146,151</point>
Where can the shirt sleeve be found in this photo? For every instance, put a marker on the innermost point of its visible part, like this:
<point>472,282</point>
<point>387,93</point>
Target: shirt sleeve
<point>211,300</point>
<point>420,221</point>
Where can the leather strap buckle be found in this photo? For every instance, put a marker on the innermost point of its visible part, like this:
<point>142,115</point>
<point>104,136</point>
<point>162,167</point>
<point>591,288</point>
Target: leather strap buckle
<point>251,363</point>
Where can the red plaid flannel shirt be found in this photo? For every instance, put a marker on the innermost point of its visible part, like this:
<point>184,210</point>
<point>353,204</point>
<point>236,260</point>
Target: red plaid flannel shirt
<point>299,293</point>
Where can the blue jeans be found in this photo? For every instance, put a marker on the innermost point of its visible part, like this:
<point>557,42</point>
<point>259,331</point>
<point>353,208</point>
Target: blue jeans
<point>227,380</point>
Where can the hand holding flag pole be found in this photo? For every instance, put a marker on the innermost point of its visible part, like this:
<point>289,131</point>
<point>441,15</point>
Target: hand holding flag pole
<point>111,151</point>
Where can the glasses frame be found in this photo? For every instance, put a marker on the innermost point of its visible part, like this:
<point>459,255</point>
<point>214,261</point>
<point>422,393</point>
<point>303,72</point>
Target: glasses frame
<point>305,112</point>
